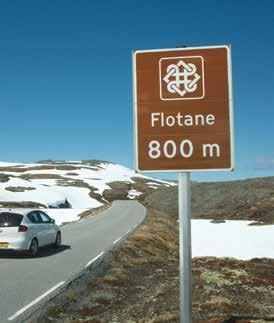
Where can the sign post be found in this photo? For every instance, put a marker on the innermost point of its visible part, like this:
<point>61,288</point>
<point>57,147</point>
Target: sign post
<point>185,247</point>
<point>183,120</point>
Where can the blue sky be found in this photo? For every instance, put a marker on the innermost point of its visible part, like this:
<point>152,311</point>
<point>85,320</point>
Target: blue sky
<point>65,74</point>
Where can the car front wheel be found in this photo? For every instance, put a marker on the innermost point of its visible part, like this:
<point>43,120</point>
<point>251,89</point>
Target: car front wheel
<point>33,249</point>
<point>58,240</point>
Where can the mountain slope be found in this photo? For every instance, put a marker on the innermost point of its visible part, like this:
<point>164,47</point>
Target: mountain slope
<point>250,199</point>
<point>73,184</point>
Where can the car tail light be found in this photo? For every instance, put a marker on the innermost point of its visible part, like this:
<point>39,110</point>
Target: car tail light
<point>22,228</point>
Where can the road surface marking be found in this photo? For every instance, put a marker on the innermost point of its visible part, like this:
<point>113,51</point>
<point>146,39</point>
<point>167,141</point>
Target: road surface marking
<point>94,259</point>
<point>37,300</point>
<point>115,241</point>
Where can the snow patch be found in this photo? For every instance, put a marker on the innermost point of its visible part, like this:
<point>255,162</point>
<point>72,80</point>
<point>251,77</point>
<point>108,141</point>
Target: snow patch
<point>232,239</point>
<point>64,215</point>
<point>49,191</point>
<point>133,193</point>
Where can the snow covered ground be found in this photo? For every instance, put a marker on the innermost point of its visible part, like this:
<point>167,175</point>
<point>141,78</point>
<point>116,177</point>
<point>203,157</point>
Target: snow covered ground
<point>232,239</point>
<point>53,184</point>
<point>133,193</point>
<point>64,215</point>
<point>236,239</point>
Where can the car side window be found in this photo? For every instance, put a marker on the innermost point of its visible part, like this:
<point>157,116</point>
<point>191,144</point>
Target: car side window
<point>35,217</point>
<point>45,218</point>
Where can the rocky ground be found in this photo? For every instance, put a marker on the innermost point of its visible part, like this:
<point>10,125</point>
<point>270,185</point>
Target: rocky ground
<point>251,199</point>
<point>139,283</point>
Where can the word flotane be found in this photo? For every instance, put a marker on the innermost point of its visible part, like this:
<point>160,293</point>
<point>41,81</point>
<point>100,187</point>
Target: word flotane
<point>160,119</point>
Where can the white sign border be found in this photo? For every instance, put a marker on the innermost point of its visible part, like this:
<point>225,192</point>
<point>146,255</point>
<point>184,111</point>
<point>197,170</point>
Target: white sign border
<point>231,112</point>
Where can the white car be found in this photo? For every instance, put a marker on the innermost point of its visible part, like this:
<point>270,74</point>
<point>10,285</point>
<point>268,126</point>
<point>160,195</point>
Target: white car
<point>27,230</point>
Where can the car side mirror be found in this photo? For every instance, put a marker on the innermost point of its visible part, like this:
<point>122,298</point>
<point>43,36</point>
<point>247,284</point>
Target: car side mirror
<point>52,220</point>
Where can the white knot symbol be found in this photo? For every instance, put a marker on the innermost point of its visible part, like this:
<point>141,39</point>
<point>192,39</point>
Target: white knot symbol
<point>181,78</point>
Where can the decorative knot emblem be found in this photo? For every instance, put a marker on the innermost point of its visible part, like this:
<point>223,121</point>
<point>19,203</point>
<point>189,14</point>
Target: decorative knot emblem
<point>181,78</point>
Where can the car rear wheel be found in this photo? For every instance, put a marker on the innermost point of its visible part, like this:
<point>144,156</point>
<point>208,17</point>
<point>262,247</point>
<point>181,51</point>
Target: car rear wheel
<point>33,249</point>
<point>58,240</point>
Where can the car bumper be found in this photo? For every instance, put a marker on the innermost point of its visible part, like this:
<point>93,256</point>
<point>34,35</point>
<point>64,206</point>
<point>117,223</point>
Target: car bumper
<point>14,245</point>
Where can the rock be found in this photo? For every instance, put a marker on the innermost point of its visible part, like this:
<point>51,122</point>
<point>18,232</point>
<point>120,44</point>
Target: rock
<point>217,221</point>
<point>96,196</point>
<point>111,195</point>
<point>4,178</point>
<point>19,188</point>
<point>24,204</point>
<point>120,186</point>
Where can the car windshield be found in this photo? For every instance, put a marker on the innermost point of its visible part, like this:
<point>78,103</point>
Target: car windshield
<point>8,219</point>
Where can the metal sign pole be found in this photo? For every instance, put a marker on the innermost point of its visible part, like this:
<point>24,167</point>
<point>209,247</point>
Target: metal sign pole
<point>185,248</point>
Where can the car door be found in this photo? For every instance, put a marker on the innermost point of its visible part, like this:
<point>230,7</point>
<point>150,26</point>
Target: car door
<point>39,230</point>
<point>49,228</point>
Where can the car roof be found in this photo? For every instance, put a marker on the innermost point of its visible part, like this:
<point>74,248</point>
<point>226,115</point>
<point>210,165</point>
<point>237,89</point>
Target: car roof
<point>22,211</point>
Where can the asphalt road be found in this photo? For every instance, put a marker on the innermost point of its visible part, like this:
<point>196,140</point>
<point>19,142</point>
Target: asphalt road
<point>27,282</point>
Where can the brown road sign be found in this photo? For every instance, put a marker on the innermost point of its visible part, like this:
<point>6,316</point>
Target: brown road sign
<point>183,109</point>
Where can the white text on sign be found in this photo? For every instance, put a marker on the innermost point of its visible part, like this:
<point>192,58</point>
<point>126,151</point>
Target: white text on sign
<point>169,149</point>
<point>181,120</point>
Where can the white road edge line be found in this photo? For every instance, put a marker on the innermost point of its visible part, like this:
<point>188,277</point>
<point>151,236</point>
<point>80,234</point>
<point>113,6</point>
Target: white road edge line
<point>37,300</point>
<point>94,259</point>
<point>115,241</point>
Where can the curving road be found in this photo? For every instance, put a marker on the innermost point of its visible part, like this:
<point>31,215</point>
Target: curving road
<point>26,282</point>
